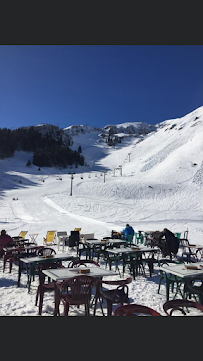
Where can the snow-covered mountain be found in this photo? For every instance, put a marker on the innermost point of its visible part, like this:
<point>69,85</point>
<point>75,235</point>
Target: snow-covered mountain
<point>151,181</point>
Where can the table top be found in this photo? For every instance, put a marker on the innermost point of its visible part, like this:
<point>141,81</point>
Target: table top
<point>33,234</point>
<point>108,241</point>
<point>65,273</point>
<point>41,259</point>
<point>181,270</point>
<point>131,250</point>
<point>22,248</point>
<point>196,246</point>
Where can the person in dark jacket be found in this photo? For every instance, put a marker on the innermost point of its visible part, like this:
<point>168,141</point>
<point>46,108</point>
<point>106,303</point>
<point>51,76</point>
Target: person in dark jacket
<point>172,243</point>
<point>5,241</point>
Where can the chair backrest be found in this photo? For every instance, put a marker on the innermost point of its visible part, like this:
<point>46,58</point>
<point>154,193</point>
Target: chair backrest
<point>46,251</point>
<point>50,236</point>
<point>177,234</point>
<point>78,229</point>
<point>63,233</point>
<point>88,236</point>
<point>80,287</point>
<point>23,234</point>
<point>78,263</point>
<point>194,285</point>
<point>135,310</point>
<point>45,266</point>
<point>178,305</point>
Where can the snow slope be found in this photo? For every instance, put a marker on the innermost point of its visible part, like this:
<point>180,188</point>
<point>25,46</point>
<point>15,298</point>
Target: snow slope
<point>160,186</point>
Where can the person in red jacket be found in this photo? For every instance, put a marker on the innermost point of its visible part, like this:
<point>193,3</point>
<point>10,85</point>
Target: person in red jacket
<point>5,241</point>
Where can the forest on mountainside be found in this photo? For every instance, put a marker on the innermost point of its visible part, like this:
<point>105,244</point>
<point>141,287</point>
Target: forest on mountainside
<point>48,149</point>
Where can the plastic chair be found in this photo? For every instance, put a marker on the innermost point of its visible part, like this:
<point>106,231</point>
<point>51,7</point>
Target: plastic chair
<point>50,238</point>
<point>194,286</point>
<point>178,305</point>
<point>170,279</point>
<point>134,309</point>
<point>178,234</point>
<point>12,257</point>
<point>134,262</point>
<point>139,237</point>
<point>46,251</point>
<point>78,292</point>
<point>45,287</point>
<point>79,262</point>
<point>118,295</point>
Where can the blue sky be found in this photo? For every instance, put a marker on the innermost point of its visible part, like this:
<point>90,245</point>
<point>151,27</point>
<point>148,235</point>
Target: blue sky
<point>98,84</point>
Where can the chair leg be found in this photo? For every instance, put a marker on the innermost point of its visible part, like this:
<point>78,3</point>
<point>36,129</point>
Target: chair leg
<point>37,296</point>
<point>41,297</point>
<point>109,308</point>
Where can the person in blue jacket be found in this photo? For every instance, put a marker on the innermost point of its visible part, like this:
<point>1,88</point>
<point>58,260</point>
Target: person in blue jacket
<point>128,231</point>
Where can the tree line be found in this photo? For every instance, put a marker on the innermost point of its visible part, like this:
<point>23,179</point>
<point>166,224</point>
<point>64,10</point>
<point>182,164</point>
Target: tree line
<point>47,150</point>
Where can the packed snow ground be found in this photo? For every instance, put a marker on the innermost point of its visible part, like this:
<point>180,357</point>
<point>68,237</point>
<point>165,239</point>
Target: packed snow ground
<point>160,186</point>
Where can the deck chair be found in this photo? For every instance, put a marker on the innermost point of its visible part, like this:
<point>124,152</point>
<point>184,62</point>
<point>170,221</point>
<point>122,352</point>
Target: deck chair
<point>22,234</point>
<point>78,229</point>
<point>50,238</point>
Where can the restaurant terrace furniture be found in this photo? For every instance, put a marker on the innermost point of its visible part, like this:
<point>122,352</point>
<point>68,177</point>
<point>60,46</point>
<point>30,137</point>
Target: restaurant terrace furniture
<point>33,237</point>
<point>135,310</point>
<point>50,238</point>
<point>194,286</point>
<point>118,295</point>
<point>74,239</point>
<point>79,262</point>
<point>46,251</point>
<point>180,305</point>
<point>62,238</point>
<point>67,273</point>
<point>12,254</point>
<point>123,252</point>
<point>45,286</point>
<point>33,261</point>
<point>181,272</point>
<point>170,279</point>
<point>75,291</point>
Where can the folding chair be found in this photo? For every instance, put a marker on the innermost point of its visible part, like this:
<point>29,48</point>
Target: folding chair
<point>22,234</point>
<point>50,238</point>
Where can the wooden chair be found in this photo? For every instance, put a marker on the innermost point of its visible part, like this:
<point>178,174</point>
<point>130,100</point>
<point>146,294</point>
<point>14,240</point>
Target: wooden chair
<point>78,292</point>
<point>179,305</point>
<point>135,310</point>
<point>50,238</point>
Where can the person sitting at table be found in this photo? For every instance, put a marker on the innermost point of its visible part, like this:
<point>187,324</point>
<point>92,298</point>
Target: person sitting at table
<point>172,243</point>
<point>5,241</point>
<point>127,231</point>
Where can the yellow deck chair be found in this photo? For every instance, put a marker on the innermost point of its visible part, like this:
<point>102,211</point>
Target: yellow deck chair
<point>77,229</point>
<point>22,234</point>
<point>50,238</point>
